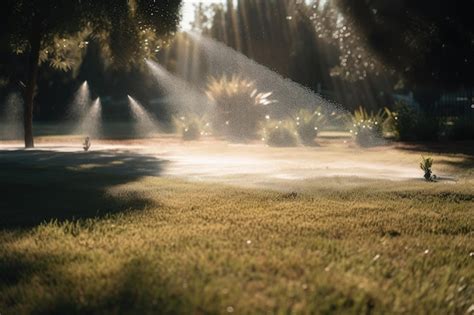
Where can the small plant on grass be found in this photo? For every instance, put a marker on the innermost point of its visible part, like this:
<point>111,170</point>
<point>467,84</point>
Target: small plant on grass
<point>425,165</point>
<point>192,127</point>
<point>239,106</point>
<point>308,124</point>
<point>367,127</point>
<point>280,134</point>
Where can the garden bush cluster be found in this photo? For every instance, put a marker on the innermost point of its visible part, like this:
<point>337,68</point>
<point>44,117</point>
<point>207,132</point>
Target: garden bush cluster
<point>301,128</point>
<point>280,134</point>
<point>192,127</point>
<point>241,113</point>
<point>367,128</point>
<point>239,107</point>
<point>412,124</point>
<point>407,123</point>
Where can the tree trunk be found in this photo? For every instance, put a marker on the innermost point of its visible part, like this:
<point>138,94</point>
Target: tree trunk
<point>33,65</point>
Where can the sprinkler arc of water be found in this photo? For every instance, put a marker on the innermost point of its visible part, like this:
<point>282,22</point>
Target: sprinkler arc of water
<point>91,123</point>
<point>80,104</point>
<point>11,127</point>
<point>181,95</point>
<point>145,125</point>
<point>223,60</point>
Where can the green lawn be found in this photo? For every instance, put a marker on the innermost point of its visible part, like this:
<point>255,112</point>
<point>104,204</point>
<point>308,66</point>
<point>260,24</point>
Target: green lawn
<point>118,241</point>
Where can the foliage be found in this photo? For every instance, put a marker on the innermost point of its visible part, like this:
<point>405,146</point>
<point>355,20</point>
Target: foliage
<point>55,31</point>
<point>428,127</point>
<point>86,144</point>
<point>191,132</point>
<point>239,106</point>
<point>320,28</point>
<point>425,165</point>
<point>427,45</point>
<point>412,124</point>
<point>356,60</point>
<point>309,43</point>
<point>280,134</point>
<point>192,127</point>
<point>309,123</point>
<point>65,53</point>
<point>367,127</point>
<point>127,31</point>
<point>404,121</point>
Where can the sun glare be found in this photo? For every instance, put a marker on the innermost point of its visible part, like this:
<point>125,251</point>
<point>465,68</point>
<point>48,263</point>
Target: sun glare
<point>188,11</point>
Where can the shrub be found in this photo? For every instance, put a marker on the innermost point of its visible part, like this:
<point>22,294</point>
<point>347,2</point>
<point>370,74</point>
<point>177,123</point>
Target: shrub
<point>367,128</point>
<point>280,134</point>
<point>192,127</point>
<point>403,119</point>
<point>239,106</point>
<point>427,128</point>
<point>412,124</point>
<point>308,124</point>
<point>191,132</point>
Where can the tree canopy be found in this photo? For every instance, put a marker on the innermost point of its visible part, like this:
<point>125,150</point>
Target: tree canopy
<point>57,31</point>
<point>128,31</point>
<point>431,42</point>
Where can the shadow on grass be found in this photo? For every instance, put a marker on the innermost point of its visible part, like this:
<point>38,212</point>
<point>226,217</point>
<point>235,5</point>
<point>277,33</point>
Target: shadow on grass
<point>38,186</point>
<point>457,147</point>
<point>464,164</point>
<point>135,288</point>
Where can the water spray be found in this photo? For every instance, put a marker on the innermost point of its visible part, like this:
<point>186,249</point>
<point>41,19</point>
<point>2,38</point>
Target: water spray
<point>80,105</point>
<point>223,60</point>
<point>90,125</point>
<point>11,120</point>
<point>181,95</point>
<point>145,124</point>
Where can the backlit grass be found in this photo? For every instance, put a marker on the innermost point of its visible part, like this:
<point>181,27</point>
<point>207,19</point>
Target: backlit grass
<point>160,245</point>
